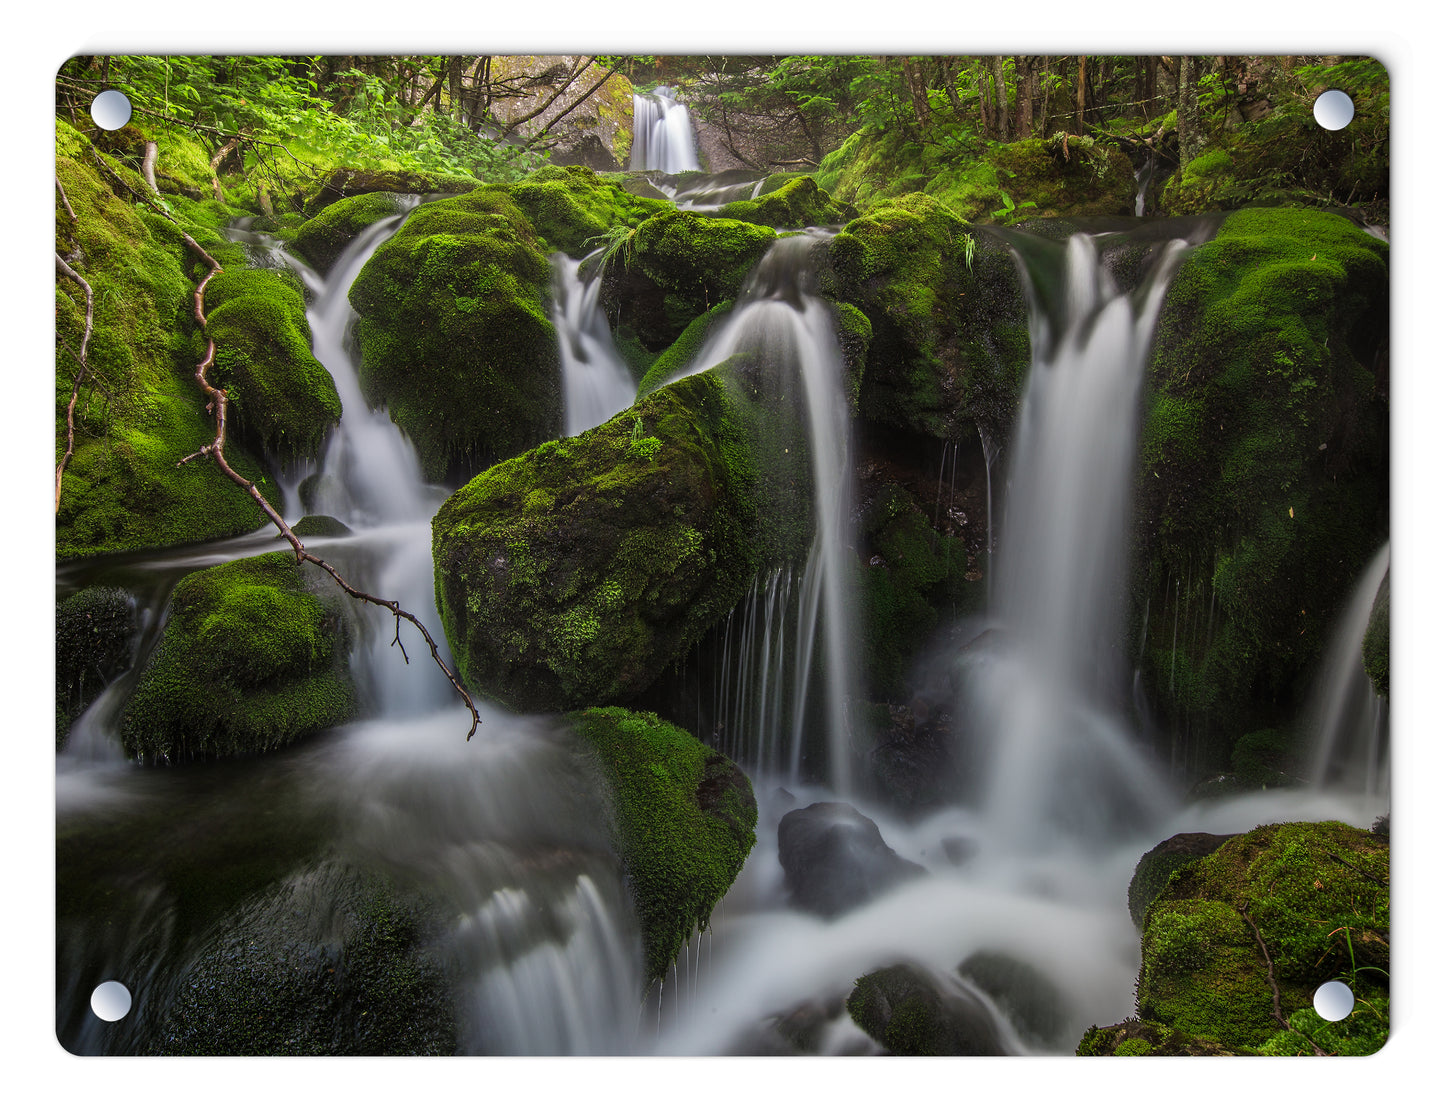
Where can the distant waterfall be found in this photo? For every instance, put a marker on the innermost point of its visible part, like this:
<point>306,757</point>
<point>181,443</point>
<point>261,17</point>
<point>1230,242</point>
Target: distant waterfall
<point>661,133</point>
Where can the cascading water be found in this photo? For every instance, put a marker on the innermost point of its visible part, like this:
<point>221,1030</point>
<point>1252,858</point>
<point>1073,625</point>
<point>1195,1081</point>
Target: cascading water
<point>538,930</point>
<point>780,320</point>
<point>661,133</point>
<point>1347,720</point>
<point>1061,763</point>
<point>596,383</point>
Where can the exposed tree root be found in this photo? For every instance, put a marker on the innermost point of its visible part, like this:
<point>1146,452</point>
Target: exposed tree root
<point>64,268</point>
<point>1274,985</point>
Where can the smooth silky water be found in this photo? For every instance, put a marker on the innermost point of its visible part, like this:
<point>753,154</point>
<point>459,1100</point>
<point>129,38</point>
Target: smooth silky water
<point>540,935</point>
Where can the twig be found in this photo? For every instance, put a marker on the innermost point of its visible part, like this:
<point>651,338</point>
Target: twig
<point>64,268</point>
<point>1274,985</point>
<point>1367,876</point>
<point>64,200</point>
<point>215,450</point>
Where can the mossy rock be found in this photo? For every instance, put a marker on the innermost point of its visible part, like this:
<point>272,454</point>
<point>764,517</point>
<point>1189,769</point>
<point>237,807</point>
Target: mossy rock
<point>572,575</point>
<point>139,410</point>
<point>680,355</point>
<point>352,182</point>
<point>1376,646</point>
<point>680,265</point>
<point>948,348</point>
<point>1069,175</point>
<point>1263,469</point>
<point>253,657</point>
<point>910,572</point>
<point>283,399</point>
<point>326,235</point>
<point>1256,926</point>
<point>1158,864</point>
<point>906,1010</point>
<point>331,960</point>
<point>94,631</point>
<point>455,335</point>
<point>685,823</point>
<point>797,204</point>
<point>571,205</point>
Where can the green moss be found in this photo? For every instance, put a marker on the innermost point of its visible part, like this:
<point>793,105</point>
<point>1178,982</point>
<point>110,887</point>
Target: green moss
<point>902,1008</point>
<point>140,411</point>
<point>570,205</point>
<point>455,336</point>
<point>322,238</point>
<point>253,657</point>
<point>1313,897</point>
<point>910,573</point>
<point>353,182</point>
<point>1263,463</point>
<point>93,632</point>
<point>685,818</point>
<point>1266,759</point>
<point>948,347</point>
<point>797,204</point>
<point>684,349</point>
<point>284,400</point>
<point>574,574</point>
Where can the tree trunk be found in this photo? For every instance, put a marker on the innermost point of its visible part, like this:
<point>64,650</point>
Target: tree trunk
<point>1079,102</point>
<point>1025,90</point>
<point>1191,136</point>
<point>985,117</point>
<point>1000,90</point>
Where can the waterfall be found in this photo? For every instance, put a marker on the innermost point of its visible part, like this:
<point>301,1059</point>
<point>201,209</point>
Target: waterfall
<point>661,133</point>
<point>1060,762</point>
<point>539,937</point>
<point>1346,719</point>
<point>596,383</point>
<point>781,320</point>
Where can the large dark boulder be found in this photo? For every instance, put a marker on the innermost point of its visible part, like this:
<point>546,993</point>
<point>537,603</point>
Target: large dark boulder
<point>575,574</point>
<point>1263,468</point>
<point>1158,864</point>
<point>834,859</point>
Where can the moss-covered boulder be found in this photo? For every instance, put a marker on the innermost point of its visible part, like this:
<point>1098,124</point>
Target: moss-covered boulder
<point>326,235</point>
<point>678,265</point>
<point>253,657</point>
<point>909,1011</point>
<point>1263,468</point>
<point>454,333</point>
<point>94,631</point>
<point>355,181</point>
<point>685,823</point>
<point>574,574</point>
<point>283,399</point>
<point>1158,864</point>
<point>799,203</point>
<point>139,409</point>
<point>949,347</point>
<point>1236,942</point>
<point>1066,175</point>
<point>331,960</point>
<point>571,205</point>
<point>681,353</point>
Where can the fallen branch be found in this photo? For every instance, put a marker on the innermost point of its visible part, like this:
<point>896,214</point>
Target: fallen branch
<point>1274,985</point>
<point>64,268</point>
<point>215,450</point>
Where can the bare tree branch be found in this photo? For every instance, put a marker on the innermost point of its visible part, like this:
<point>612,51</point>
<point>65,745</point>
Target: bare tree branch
<point>215,450</point>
